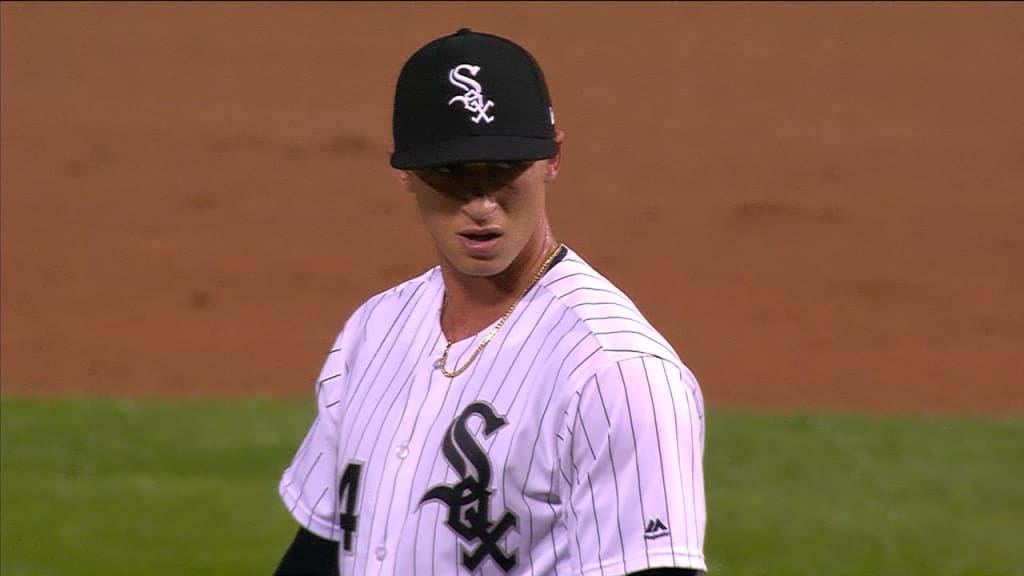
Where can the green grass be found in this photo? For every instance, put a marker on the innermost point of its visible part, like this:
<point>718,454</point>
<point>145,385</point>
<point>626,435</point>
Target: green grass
<point>112,487</point>
<point>844,494</point>
<point>132,487</point>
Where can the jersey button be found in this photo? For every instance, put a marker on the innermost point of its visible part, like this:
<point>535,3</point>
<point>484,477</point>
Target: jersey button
<point>402,450</point>
<point>380,553</point>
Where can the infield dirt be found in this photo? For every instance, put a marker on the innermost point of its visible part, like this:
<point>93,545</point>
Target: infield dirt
<point>819,204</point>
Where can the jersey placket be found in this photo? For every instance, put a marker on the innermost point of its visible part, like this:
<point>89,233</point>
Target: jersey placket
<point>426,400</point>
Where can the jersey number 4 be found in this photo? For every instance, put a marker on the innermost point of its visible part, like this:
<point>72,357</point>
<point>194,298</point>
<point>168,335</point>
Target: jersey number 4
<point>348,493</point>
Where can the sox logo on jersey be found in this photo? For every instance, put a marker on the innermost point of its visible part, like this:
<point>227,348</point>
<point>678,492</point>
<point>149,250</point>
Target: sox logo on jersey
<point>469,500</point>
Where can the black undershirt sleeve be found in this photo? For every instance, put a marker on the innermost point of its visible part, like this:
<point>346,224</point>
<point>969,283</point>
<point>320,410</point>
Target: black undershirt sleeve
<point>309,555</point>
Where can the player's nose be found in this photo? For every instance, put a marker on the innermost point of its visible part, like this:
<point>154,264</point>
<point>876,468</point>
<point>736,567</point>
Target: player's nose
<point>480,207</point>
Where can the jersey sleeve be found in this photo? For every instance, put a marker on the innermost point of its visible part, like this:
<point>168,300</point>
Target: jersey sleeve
<point>308,486</point>
<point>636,490</point>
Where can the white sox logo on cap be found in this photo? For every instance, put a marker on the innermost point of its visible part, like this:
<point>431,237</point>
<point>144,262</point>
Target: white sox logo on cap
<point>473,99</point>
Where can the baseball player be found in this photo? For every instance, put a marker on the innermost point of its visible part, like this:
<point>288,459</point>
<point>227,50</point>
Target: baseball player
<point>509,411</point>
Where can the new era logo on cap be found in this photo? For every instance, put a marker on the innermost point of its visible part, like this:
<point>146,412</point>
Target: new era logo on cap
<point>471,97</point>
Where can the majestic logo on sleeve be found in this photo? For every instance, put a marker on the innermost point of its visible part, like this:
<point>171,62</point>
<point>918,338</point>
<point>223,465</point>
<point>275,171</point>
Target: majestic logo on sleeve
<point>655,529</point>
<point>473,98</point>
<point>469,501</point>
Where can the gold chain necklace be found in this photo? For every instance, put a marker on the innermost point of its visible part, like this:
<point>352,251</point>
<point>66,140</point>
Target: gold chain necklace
<point>490,335</point>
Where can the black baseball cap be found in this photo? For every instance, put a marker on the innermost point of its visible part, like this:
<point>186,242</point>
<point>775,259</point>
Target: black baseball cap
<point>471,97</point>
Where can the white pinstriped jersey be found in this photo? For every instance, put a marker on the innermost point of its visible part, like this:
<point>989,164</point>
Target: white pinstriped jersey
<point>572,445</point>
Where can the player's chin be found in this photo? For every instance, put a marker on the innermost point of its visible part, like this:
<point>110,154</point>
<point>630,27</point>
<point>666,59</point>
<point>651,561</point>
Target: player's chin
<point>479,264</point>
<point>482,268</point>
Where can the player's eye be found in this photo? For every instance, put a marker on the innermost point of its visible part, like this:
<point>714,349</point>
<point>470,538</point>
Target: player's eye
<point>486,167</point>
<point>512,166</point>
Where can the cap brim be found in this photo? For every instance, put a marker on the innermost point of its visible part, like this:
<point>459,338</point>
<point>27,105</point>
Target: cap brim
<point>476,149</point>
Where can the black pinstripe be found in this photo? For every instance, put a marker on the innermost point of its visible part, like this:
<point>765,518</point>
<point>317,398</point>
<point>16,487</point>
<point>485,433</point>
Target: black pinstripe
<point>661,470</point>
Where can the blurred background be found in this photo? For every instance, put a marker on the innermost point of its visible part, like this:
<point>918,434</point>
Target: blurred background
<point>818,203</point>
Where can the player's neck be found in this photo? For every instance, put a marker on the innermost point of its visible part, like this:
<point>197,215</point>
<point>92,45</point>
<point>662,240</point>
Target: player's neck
<point>474,302</point>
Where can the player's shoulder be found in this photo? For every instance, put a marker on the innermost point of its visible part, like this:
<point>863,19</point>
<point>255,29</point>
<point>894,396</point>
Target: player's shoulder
<point>603,312</point>
<point>384,307</point>
<point>397,296</point>
<point>574,281</point>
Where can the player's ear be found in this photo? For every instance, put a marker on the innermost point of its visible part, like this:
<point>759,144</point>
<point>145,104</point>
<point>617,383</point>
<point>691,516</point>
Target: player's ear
<point>402,175</point>
<point>555,162</point>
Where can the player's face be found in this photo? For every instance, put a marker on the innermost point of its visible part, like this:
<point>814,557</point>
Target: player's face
<point>484,214</point>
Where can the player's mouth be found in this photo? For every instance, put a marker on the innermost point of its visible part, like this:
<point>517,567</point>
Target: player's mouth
<point>480,242</point>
